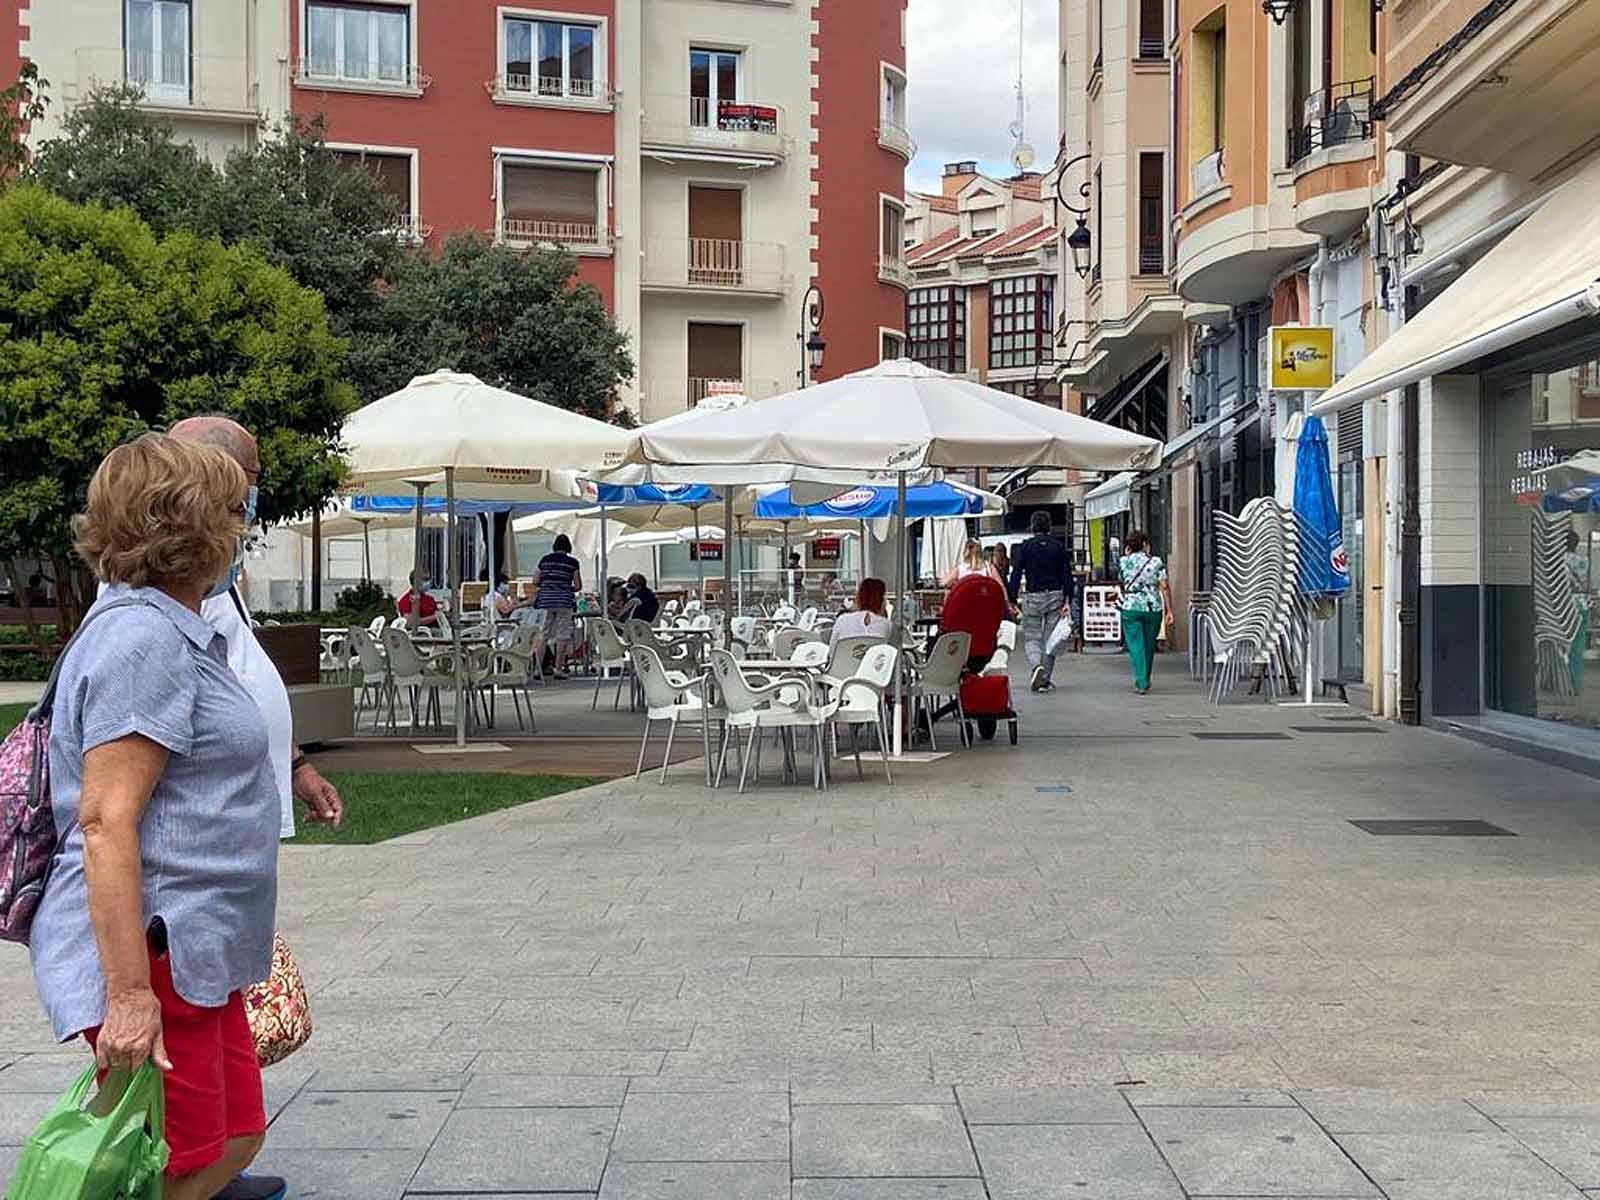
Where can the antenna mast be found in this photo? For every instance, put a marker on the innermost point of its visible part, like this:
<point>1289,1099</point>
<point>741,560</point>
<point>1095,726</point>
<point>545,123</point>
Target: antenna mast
<point>1021,151</point>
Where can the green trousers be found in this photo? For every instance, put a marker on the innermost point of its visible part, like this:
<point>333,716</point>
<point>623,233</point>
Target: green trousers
<point>1140,632</point>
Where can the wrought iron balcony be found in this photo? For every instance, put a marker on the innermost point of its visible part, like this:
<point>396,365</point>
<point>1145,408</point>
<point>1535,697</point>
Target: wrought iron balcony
<point>714,264</point>
<point>1339,115</point>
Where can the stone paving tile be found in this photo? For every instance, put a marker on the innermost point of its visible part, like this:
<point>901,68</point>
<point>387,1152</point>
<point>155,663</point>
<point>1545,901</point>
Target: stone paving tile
<point>1371,1111</point>
<point>880,1140</point>
<point>695,1181</point>
<point>889,1189</point>
<point>569,1062</point>
<point>1569,1144</point>
<point>343,1174</point>
<point>1044,1106</point>
<point>21,1111</point>
<point>1053,1162</point>
<point>703,1127</point>
<point>362,1120</point>
<point>543,1091</point>
<point>1454,1166</point>
<point>1253,1151</point>
<point>512,1150</point>
<point>43,1072</point>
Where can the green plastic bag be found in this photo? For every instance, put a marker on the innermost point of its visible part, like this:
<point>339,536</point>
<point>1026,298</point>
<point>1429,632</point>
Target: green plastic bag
<point>112,1148</point>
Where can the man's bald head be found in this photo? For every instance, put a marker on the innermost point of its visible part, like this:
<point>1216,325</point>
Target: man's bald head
<point>224,433</point>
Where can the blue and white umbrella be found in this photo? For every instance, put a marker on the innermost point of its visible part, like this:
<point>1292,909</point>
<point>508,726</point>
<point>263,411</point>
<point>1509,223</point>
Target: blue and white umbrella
<point>939,499</point>
<point>1324,566</point>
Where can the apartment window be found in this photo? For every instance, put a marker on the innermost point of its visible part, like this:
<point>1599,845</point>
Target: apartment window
<point>892,249</point>
<point>367,43</point>
<point>393,172</point>
<point>1021,312</point>
<point>1099,225</point>
<point>714,77</point>
<point>894,99</point>
<point>158,49</point>
<point>985,223</point>
<point>541,202</point>
<point>549,58</point>
<point>1207,82</point>
<point>1219,76</point>
<point>1152,212</point>
<point>936,319</point>
<point>716,359</point>
<point>1152,29</point>
<point>891,345</point>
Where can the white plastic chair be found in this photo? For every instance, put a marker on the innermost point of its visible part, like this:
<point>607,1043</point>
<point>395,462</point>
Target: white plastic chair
<point>610,655</point>
<point>510,665</point>
<point>409,668</point>
<point>858,702</point>
<point>786,641</point>
<point>376,626</point>
<point>375,679</point>
<point>672,697</point>
<point>758,708</point>
<point>810,654</point>
<point>940,676</point>
<point>808,619</point>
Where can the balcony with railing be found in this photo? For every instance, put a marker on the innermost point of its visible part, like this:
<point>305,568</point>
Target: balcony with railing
<point>326,74</point>
<point>579,236</point>
<point>666,395</point>
<point>895,137</point>
<point>714,265</point>
<point>707,128</point>
<point>1205,175</point>
<point>892,268</point>
<point>213,87</point>
<point>550,90</point>
<point>1152,255</point>
<point>1339,115</point>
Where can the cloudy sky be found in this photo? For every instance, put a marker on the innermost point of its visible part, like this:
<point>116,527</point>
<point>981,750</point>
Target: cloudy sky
<point>962,60</point>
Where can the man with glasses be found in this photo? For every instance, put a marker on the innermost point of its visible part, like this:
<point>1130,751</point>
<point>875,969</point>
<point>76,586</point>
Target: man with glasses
<point>296,778</point>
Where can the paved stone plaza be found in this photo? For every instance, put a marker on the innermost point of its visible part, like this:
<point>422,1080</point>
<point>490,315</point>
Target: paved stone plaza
<point>1129,959</point>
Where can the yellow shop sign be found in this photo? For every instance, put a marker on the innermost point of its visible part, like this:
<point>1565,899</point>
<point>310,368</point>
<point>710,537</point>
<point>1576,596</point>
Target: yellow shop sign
<point>1302,357</point>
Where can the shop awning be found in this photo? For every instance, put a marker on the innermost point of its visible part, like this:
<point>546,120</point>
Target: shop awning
<point>1542,275</point>
<point>1113,496</point>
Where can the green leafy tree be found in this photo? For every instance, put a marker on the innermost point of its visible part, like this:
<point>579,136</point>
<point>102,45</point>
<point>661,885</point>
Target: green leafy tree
<point>107,330</point>
<point>515,319</point>
<point>112,152</point>
<point>22,103</point>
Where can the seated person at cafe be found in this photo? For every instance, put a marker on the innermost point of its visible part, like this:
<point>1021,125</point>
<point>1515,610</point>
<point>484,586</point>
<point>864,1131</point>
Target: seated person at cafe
<point>645,605</point>
<point>498,603</point>
<point>428,608</point>
<point>868,618</point>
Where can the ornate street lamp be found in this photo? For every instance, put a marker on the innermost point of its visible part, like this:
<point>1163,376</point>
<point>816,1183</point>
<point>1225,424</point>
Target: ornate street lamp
<point>1078,241</point>
<point>810,335</point>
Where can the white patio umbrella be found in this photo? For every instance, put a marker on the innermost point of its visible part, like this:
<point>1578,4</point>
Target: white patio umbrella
<point>481,440</point>
<point>340,520</point>
<point>898,416</point>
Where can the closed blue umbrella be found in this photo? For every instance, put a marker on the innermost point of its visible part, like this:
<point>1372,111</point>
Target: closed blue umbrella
<point>1324,566</point>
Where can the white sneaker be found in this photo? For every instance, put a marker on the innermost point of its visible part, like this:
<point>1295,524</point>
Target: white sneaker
<point>1038,680</point>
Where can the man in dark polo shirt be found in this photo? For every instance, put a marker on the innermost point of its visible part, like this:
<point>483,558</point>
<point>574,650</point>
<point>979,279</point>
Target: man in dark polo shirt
<point>1041,581</point>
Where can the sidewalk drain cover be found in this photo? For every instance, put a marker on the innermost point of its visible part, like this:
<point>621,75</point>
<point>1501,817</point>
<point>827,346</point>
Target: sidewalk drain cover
<point>1336,728</point>
<point>1432,829</point>
<point>1057,789</point>
<point>1241,737</point>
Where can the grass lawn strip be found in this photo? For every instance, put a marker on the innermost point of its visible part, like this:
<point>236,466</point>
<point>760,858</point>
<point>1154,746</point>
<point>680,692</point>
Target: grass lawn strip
<point>11,716</point>
<point>379,805</point>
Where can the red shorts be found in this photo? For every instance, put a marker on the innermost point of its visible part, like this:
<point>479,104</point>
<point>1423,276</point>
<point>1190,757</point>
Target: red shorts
<point>213,1092</point>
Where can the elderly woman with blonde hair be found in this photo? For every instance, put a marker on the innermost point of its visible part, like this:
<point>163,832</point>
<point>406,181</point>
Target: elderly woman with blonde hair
<point>160,902</point>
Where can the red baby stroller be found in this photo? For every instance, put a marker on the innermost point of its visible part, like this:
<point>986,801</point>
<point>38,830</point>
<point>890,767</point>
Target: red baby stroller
<point>976,606</point>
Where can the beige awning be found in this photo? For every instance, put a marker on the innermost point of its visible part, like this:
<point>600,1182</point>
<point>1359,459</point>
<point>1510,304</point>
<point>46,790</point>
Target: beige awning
<point>1542,275</point>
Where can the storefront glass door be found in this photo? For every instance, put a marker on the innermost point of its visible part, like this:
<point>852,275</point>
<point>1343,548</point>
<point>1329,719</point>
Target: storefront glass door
<point>1350,605</point>
<point>1541,540</point>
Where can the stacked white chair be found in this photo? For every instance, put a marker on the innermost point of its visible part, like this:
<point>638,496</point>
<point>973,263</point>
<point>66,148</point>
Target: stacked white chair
<point>1556,615</point>
<point>1256,614</point>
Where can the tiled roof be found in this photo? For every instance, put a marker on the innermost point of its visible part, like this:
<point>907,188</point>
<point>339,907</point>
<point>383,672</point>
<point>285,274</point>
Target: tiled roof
<point>1027,187</point>
<point>950,247</point>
